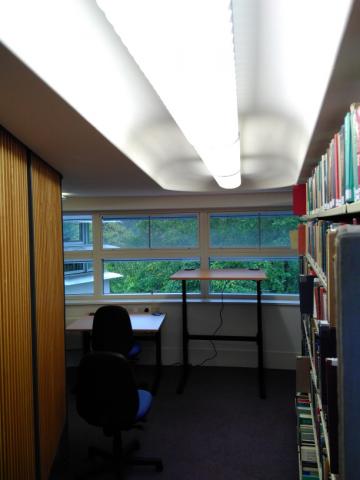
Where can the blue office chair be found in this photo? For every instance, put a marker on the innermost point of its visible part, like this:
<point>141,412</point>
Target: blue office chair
<point>106,396</point>
<point>112,332</point>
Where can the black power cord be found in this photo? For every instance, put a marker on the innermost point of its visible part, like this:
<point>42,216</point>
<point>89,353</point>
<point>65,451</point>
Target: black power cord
<point>216,329</point>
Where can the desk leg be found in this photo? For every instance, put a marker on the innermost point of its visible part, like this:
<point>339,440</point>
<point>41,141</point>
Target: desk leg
<point>158,362</point>
<point>260,343</point>
<point>185,341</point>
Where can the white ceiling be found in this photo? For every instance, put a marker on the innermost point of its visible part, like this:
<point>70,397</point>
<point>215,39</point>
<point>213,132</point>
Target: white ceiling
<point>73,111</point>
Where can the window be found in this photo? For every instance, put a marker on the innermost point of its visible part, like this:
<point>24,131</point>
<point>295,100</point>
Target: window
<point>79,277</point>
<point>260,230</point>
<point>261,233</point>
<point>282,275</point>
<point>77,232</point>
<point>234,230</point>
<point>134,255</point>
<point>150,232</point>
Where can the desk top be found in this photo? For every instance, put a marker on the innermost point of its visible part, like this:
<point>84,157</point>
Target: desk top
<point>140,322</point>
<point>220,274</point>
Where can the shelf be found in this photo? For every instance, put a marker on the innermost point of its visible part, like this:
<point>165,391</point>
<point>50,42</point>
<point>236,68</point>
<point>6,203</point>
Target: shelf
<point>353,207</point>
<point>333,212</point>
<point>320,274</point>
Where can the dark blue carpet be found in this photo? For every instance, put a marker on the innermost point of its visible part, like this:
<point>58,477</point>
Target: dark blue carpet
<point>218,429</point>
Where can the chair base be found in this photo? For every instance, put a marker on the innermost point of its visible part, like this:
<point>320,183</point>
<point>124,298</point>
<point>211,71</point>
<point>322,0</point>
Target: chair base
<point>117,460</point>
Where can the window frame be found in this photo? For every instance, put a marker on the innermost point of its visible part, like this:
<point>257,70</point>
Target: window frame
<point>204,252</point>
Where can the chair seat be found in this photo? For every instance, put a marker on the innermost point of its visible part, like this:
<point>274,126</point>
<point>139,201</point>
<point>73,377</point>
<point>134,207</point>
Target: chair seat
<point>134,351</point>
<point>145,400</point>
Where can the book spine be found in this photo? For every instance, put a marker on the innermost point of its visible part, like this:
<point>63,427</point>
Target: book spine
<point>354,152</point>
<point>349,171</point>
<point>332,412</point>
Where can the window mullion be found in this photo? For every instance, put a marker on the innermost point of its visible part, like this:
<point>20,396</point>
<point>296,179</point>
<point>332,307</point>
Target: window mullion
<point>98,267</point>
<point>204,234</point>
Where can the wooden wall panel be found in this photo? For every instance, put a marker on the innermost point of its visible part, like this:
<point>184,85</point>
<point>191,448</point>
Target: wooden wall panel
<point>49,289</point>
<point>17,451</point>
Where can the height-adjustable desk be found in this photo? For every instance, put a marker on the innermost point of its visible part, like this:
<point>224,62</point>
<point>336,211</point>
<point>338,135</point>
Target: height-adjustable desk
<point>222,274</point>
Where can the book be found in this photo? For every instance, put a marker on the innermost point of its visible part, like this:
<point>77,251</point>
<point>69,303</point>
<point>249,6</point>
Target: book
<point>306,286</point>
<point>301,239</point>
<point>303,374</point>
<point>355,147</point>
<point>341,158</point>
<point>299,199</point>
<point>332,412</point>
<point>331,291</point>
<point>327,348</point>
<point>349,171</point>
<point>308,454</point>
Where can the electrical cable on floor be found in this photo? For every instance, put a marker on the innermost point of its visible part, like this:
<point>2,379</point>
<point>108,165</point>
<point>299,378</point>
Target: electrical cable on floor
<point>216,329</point>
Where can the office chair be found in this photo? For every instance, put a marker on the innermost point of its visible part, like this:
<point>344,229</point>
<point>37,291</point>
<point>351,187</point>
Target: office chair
<point>106,396</point>
<point>112,332</point>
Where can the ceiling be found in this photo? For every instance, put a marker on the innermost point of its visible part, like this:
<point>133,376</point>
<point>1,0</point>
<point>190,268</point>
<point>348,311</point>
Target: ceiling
<point>72,111</point>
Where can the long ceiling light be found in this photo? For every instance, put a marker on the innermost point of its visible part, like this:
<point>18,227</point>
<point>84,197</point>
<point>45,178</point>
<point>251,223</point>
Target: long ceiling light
<point>185,48</point>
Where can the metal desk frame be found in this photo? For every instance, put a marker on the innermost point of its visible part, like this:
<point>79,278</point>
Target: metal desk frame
<point>223,274</point>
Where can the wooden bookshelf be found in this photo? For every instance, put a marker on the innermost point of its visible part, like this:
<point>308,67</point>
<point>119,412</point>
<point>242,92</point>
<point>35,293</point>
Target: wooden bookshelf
<point>332,245</point>
<point>347,291</point>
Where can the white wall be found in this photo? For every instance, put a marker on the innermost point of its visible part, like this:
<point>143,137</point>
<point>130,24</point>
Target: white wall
<point>281,327</point>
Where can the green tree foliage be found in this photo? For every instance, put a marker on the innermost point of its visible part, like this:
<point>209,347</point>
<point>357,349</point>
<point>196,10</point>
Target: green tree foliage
<point>282,276</point>
<point>149,276</point>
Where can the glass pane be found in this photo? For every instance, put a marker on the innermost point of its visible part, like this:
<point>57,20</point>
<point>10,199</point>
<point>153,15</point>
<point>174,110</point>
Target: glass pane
<point>282,275</point>
<point>234,230</point>
<point>77,232</point>
<point>174,232</point>
<point>79,277</point>
<point>275,230</point>
<point>147,276</point>
<point>126,232</point>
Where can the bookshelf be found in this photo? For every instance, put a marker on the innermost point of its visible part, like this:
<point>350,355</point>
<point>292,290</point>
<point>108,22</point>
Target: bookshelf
<point>330,312</point>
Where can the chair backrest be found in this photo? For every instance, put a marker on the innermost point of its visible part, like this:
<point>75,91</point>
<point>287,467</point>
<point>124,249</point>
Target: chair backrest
<point>112,331</point>
<point>106,393</point>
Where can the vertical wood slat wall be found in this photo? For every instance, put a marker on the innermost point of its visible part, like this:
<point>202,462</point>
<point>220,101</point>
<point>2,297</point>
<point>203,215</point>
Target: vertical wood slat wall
<point>30,425</point>
<point>47,224</point>
<point>16,376</point>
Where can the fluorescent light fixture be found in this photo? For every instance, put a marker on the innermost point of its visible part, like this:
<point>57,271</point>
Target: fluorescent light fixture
<point>185,48</point>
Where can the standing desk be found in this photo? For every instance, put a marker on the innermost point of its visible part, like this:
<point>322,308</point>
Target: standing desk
<point>221,274</point>
<point>145,326</point>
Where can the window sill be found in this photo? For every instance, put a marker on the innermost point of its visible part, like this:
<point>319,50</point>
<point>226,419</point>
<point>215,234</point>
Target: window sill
<point>153,301</point>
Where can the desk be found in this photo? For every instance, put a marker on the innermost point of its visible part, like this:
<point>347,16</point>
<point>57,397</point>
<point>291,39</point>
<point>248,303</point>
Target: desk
<point>145,326</point>
<point>221,274</point>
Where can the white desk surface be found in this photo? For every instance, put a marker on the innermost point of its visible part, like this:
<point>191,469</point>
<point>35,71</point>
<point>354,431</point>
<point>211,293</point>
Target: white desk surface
<point>140,322</point>
<point>220,274</point>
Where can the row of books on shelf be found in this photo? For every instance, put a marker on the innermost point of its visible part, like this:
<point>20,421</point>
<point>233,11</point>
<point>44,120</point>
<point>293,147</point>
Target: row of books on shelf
<point>335,180</point>
<point>321,345</point>
<point>318,265</point>
<point>316,238</point>
<point>306,438</point>
<point>317,371</point>
<point>317,425</point>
